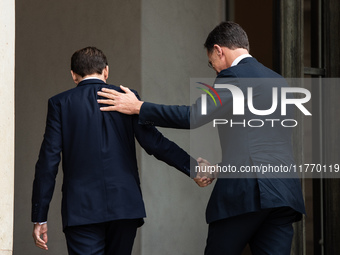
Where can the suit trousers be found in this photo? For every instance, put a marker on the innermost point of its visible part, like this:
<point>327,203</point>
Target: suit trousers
<point>108,238</point>
<point>268,231</point>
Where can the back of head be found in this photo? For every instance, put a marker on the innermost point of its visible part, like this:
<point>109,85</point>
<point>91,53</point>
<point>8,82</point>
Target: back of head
<point>227,34</point>
<point>87,61</point>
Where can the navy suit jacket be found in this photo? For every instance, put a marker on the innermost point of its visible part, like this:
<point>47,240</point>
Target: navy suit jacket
<point>241,146</point>
<point>100,175</point>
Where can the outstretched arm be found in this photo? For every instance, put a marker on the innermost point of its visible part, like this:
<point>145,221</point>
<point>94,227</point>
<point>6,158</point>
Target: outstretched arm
<point>171,116</point>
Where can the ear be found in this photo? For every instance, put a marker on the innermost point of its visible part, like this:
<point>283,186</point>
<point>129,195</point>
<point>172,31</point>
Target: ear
<point>218,50</point>
<point>106,72</point>
<point>74,77</point>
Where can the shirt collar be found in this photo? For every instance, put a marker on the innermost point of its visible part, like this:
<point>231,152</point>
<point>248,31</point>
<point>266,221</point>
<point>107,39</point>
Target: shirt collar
<point>239,58</point>
<point>90,78</point>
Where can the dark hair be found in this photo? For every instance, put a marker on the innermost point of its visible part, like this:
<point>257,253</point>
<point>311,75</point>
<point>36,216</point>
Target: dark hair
<point>227,34</point>
<point>88,61</point>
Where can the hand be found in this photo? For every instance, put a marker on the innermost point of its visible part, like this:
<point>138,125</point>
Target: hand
<point>203,181</point>
<point>204,177</point>
<point>209,171</point>
<point>126,103</point>
<point>38,231</point>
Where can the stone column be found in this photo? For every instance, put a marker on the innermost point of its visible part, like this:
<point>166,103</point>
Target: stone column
<point>7,42</point>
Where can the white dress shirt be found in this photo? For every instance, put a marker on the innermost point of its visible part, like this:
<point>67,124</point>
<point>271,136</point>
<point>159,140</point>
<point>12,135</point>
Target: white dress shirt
<point>239,58</point>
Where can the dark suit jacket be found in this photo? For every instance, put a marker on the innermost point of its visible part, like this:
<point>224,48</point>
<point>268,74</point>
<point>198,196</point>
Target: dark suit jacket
<point>100,181</point>
<point>241,146</point>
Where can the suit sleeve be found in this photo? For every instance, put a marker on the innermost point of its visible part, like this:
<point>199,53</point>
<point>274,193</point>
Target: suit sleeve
<point>162,148</point>
<point>47,165</point>
<point>188,117</point>
<point>171,116</point>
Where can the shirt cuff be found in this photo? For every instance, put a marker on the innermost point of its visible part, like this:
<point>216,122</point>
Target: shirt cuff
<point>40,223</point>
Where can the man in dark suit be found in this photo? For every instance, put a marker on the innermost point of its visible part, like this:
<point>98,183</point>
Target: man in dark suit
<point>102,204</point>
<point>254,209</point>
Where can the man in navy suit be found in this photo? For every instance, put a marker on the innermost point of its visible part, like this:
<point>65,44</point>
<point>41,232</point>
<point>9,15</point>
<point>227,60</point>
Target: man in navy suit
<point>102,204</point>
<point>254,209</point>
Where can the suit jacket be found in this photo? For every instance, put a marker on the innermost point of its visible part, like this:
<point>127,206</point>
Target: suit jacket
<point>100,175</point>
<point>242,146</point>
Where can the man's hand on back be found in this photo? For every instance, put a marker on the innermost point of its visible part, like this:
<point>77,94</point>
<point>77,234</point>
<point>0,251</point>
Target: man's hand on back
<point>126,103</point>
